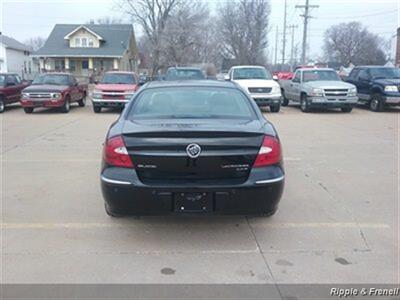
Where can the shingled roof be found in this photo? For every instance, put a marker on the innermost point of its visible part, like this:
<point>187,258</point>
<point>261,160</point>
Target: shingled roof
<point>11,43</point>
<point>116,39</point>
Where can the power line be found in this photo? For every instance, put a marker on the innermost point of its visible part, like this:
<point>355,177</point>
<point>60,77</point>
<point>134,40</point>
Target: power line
<point>306,17</point>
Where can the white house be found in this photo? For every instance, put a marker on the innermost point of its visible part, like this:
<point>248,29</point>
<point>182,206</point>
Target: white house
<point>15,58</point>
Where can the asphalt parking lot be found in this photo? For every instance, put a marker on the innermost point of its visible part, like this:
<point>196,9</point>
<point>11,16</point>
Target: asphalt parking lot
<point>337,222</point>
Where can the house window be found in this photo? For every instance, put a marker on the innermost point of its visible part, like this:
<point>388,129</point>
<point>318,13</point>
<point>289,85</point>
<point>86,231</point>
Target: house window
<point>91,44</point>
<point>59,64</point>
<point>77,42</point>
<point>84,42</point>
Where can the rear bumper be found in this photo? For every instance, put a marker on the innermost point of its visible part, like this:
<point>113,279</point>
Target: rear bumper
<point>267,100</point>
<point>42,103</point>
<point>110,102</point>
<point>127,195</point>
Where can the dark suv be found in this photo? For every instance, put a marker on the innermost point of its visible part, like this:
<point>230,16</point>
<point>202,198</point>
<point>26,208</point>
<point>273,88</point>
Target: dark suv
<point>377,86</point>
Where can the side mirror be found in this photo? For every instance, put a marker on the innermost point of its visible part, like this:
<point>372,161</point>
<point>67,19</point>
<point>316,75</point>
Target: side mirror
<point>275,77</point>
<point>227,78</point>
<point>96,82</point>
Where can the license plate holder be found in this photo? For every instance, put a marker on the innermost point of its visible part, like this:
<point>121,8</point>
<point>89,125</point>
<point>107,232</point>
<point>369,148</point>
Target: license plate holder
<point>193,202</point>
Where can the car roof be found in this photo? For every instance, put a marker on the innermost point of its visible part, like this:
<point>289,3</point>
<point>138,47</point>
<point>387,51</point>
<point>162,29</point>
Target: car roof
<point>373,67</point>
<point>184,68</point>
<point>120,72</point>
<point>247,66</point>
<point>57,73</point>
<point>316,69</point>
<point>191,83</point>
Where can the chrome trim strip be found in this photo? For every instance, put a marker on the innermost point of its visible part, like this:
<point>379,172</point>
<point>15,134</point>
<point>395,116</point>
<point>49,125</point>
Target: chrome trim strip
<point>105,179</point>
<point>270,180</point>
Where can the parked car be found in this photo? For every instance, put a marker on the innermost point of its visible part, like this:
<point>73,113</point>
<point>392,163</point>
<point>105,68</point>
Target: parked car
<point>114,90</point>
<point>53,90</point>
<point>319,88</point>
<point>11,86</point>
<point>377,86</point>
<point>258,82</point>
<point>193,146</point>
<point>184,73</point>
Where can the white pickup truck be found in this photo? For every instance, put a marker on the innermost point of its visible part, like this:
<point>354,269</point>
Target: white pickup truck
<point>319,88</point>
<point>258,82</point>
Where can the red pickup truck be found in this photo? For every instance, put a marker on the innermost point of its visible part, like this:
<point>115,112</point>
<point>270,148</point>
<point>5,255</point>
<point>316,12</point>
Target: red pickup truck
<point>114,90</point>
<point>11,86</point>
<point>53,90</point>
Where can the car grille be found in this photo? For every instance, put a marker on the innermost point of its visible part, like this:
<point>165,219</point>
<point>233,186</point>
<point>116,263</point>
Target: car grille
<point>260,90</point>
<point>39,95</point>
<point>113,95</point>
<point>336,92</point>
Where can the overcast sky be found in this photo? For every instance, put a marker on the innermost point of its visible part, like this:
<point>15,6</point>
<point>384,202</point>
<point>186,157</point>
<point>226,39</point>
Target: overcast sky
<point>23,19</point>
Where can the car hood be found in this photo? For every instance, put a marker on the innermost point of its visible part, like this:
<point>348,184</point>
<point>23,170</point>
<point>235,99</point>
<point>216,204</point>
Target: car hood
<point>45,88</point>
<point>116,87</point>
<point>252,83</point>
<point>388,81</point>
<point>329,84</point>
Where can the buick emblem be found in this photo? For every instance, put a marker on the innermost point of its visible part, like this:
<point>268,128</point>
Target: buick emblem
<point>193,150</point>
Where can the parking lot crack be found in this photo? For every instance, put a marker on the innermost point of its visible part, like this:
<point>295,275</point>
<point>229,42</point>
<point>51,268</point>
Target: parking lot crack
<point>263,257</point>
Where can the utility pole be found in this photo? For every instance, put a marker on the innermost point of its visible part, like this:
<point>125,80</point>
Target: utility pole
<point>292,27</point>
<point>307,7</point>
<point>276,45</point>
<point>284,34</point>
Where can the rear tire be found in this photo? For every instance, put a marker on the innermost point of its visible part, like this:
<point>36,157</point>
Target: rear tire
<point>28,110</point>
<point>376,103</point>
<point>65,108</point>
<point>110,212</point>
<point>346,109</point>
<point>2,105</point>
<point>285,101</point>
<point>275,108</point>
<point>96,109</point>
<point>304,105</point>
<point>82,102</point>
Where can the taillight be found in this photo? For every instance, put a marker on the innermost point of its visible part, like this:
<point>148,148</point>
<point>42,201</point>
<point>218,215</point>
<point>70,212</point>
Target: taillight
<point>270,152</point>
<point>115,153</point>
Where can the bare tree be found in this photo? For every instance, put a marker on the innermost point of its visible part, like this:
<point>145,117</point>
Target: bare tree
<point>184,37</point>
<point>243,27</point>
<point>353,43</point>
<point>152,16</point>
<point>106,21</point>
<point>36,42</point>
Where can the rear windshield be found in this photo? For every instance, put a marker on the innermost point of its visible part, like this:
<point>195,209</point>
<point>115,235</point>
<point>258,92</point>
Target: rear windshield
<point>251,73</point>
<point>113,78</point>
<point>192,102</point>
<point>320,75</point>
<point>178,74</point>
<point>52,79</point>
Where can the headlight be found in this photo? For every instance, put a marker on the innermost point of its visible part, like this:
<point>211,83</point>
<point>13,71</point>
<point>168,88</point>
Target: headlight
<point>96,94</point>
<point>353,92</point>
<point>318,92</point>
<point>128,96</point>
<point>56,96</point>
<point>25,96</point>
<point>391,88</point>
<point>276,90</point>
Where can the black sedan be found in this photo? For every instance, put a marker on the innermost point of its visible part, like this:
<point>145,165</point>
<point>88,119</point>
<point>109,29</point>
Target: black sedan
<point>192,147</point>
